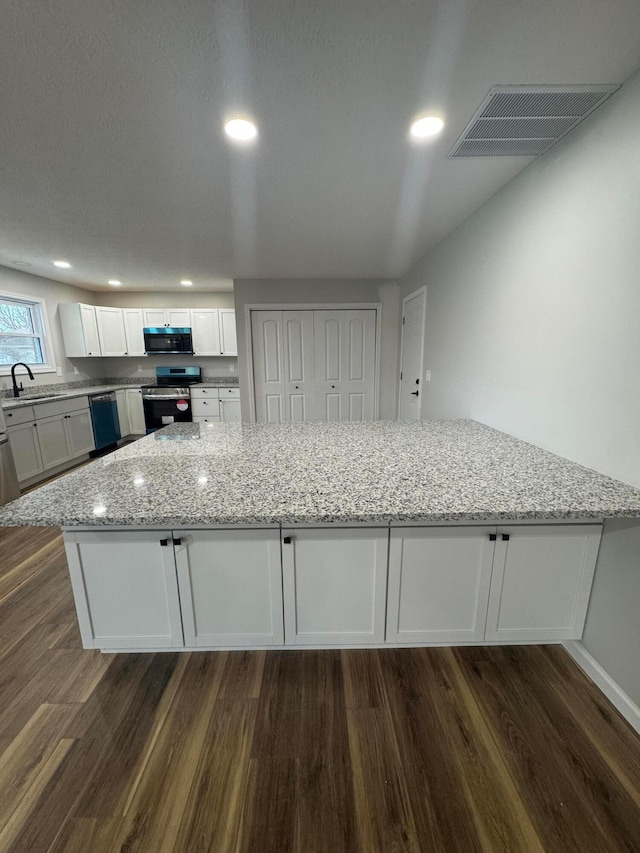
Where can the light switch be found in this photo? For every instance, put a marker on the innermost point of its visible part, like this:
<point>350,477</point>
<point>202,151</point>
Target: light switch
<point>427,376</point>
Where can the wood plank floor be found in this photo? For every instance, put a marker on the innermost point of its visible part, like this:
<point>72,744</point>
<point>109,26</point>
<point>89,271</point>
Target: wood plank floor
<point>474,749</point>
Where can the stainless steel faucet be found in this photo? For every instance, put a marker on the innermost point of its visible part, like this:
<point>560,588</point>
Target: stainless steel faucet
<point>16,390</point>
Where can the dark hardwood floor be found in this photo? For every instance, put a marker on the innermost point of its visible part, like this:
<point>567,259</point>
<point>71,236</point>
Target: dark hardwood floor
<point>471,749</point>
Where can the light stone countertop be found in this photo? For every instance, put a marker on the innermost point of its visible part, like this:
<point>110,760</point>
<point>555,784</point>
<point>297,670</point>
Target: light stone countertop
<point>377,472</point>
<point>25,400</point>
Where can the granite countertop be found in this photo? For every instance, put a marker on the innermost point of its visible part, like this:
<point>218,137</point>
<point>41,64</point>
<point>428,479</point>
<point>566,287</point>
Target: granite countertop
<point>88,390</point>
<point>380,472</point>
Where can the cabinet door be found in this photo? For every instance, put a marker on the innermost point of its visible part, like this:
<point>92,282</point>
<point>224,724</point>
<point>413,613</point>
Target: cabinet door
<point>298,356</point>
<point>155,317</point>
<point>268,372</point>
<point>335,584</point>
<point>90,330</point>
<point>438,584</point>
<point>230,411</point>
<point>205,329</point>
<point>208,407</point>
<point>230,587</point>
<point>541,581</point>
<point>133,325</point>
<point>79,432</point>
<point>135,411</point>
<point>345,351</point>
<point>25,448</point>
<point>228,339</point>
<point>123,413</point>
<point>111,331</point>
<point>52,436</point>
<point>125,589</point>
<point>179,317</point>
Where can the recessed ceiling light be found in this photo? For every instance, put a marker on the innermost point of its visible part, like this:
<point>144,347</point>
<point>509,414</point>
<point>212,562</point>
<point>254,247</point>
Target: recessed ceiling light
<point>63,265</point>
<point>186,283</point>
<point>240,129</point>
<point>114,282</point>
<point>426,126</point>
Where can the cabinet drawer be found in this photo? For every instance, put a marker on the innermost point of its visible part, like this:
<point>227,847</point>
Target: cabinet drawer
<point>229,393</point>
<point>206,393</point>
<point>60,407</point>
<point>208,407</point>
<point>20,415</point>
<point>203,419</point>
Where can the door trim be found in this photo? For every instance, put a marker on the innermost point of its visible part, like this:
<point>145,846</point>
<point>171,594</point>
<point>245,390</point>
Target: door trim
<point>412,295</point>
<point>311,306</point>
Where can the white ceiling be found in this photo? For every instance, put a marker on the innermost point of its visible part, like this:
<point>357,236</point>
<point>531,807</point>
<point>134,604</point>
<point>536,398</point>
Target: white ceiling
<point>112,154</point>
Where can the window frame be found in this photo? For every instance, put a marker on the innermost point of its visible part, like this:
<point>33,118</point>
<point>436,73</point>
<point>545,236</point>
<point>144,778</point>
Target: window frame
<point>42,331</point>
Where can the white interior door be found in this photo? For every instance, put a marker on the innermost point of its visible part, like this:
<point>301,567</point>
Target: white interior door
<point>411,381</point>
<point>299,382</point>
<point>345,351</point>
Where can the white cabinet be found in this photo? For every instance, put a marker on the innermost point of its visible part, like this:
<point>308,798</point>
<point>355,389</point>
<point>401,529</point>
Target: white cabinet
<point>133,325</point>
<point>111,331</point>
<point>205,330</point>
<point>123,413</point>
<point>228,338</point>
<point>335,583</point>
<point>79,330</point>
<point>25,448</point>
<point>230,587</point>
<point>52,438</point>
<point>57,432</point>
<point>125,589</point>
<point>214,331</point>
<point>439,581</point>
<point>230,410</point>
<point>215,404</point>
<point>135,411</point>
<point>541,581</point>
<point>176,317</point>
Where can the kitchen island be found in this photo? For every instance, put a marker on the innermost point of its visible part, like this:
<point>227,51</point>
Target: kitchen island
<point>381,533</point>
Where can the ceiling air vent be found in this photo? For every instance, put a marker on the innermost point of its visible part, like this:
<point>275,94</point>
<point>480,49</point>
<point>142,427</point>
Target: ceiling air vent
<point>525,121</point>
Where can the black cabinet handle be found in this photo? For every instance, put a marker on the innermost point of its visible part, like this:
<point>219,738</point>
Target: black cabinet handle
<point>333,386</point>
<point>177,541</point>
<point>493,537</point>
<point>287,540</point>
<point>414,393</point>
<point>164,542</point>
<point>506,537</point>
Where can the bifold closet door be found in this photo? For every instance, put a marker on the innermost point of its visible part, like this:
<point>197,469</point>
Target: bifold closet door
<point>345,351</point>
<point>283,365</point>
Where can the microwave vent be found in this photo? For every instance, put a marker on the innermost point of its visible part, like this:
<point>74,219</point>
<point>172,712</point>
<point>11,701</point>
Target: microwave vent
<point>525,121</point>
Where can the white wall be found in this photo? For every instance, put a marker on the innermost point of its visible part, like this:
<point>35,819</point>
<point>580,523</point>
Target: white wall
<point>534,302</point>
<point>14,281</point>
<point>321,291</point>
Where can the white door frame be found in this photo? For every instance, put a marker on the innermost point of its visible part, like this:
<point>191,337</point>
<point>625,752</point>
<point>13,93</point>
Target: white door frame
<point>311,306</point>
<point>415,293</point>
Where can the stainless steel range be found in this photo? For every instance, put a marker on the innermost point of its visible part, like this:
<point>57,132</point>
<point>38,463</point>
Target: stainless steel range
<point>170,399</point>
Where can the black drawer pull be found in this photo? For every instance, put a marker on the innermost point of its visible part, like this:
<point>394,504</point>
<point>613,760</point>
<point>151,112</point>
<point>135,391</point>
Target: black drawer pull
<point>287,540</point>
<point>177,541</point>
<point>506,537</point>
<point>164,542</point>
<point>493,537</point>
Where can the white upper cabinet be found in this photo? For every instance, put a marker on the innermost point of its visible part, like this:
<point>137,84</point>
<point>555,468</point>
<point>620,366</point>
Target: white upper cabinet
<point>228,339</point>
<point>176,317</point>
<point>79,330</point>
<point>133,325</point>
<point>214,331</point>
<point>111,331</point>
<point>205,331</point>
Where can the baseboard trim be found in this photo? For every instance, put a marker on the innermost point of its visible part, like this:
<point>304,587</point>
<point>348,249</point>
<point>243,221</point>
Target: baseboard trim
<point>614,693</point>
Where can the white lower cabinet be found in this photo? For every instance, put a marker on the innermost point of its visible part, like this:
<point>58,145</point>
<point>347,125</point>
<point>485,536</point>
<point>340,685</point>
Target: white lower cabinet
<point>25,449</point>
<point>230,587</point>
<point>53,441</point>
<point>541,582</point>
<point>439,580</point>
<point>335,583</point>
<point>79,431</point>
<point>135,411</point>
<point>123,413</point>
<point>125,589</point>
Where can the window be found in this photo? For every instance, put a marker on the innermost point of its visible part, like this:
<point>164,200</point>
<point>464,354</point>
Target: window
<point>23,333</point>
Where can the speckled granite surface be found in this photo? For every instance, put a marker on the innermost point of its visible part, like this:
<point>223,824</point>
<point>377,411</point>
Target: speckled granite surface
<point>216,474</point>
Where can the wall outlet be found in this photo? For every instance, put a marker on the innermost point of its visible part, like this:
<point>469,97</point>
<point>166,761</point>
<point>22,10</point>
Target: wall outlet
<point>232,368</point>
<point>427,376</point>
<point>139,368</point>
<point>59,371</point>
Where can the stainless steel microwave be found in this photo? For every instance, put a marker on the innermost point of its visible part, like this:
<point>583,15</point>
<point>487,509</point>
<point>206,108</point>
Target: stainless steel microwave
<point>167,339</point>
